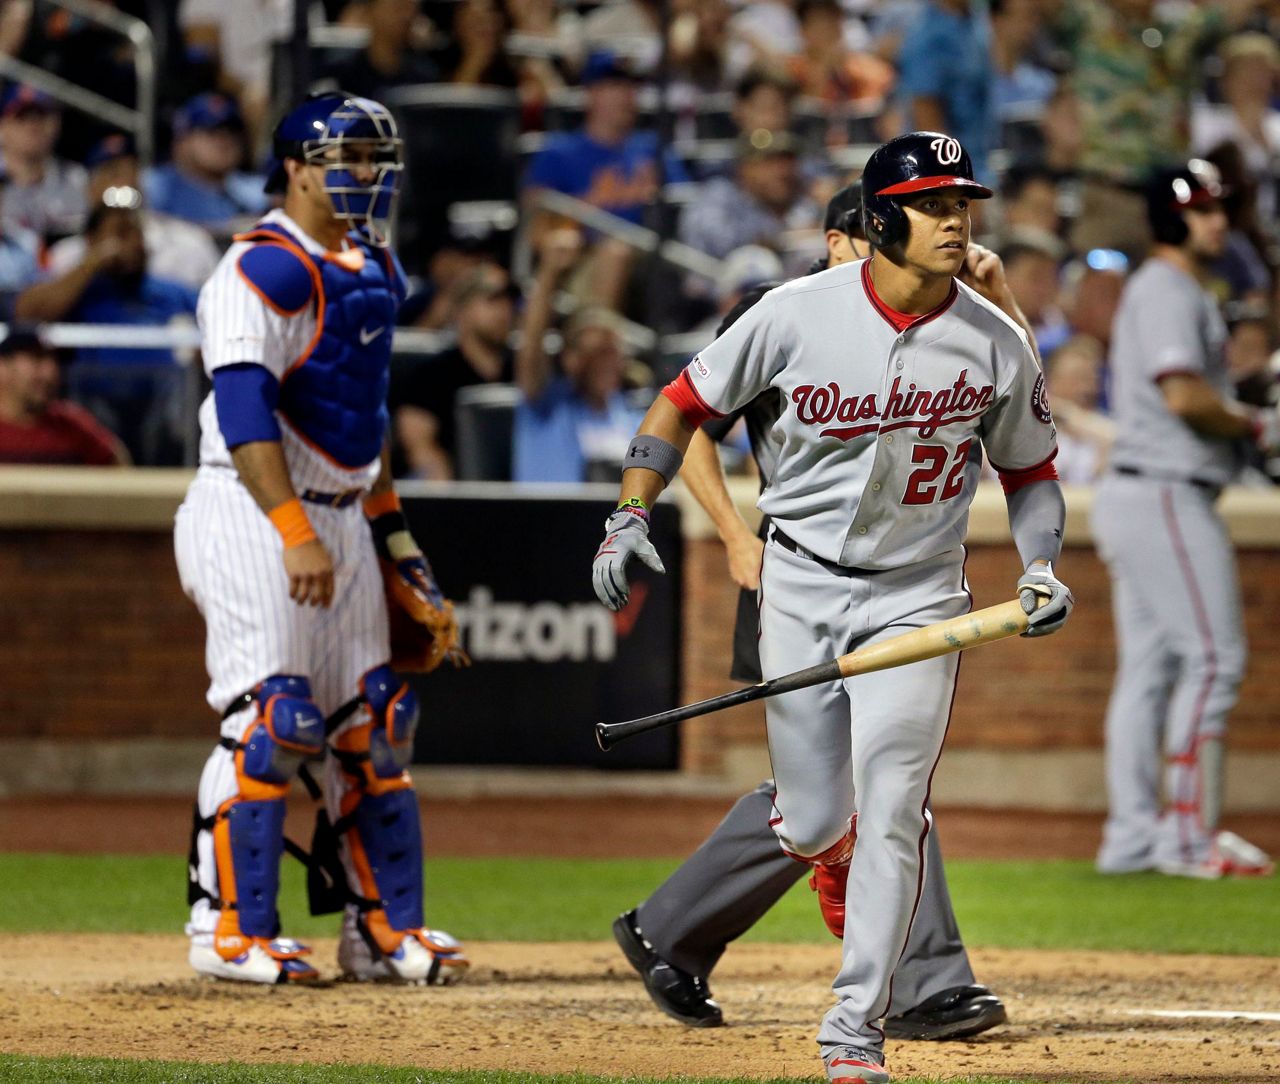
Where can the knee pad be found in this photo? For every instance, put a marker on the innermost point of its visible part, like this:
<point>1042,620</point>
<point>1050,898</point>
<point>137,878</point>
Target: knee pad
<point>248,829</point>
<point>393,707</point>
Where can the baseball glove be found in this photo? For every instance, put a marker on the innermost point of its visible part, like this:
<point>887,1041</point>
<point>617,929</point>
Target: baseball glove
<point>424,628</point>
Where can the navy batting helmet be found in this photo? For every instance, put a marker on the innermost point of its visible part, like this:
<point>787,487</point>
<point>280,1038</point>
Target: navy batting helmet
<point>1171,192</point>
<point>346,135</point>
<point>917,162</point>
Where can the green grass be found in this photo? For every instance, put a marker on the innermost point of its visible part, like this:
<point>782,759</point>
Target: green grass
<point>30,1070</point>
<point>1056,904</point>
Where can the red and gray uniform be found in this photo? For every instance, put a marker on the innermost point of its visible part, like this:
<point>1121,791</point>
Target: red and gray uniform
<point>1174,585</point>
<point>879,448</point>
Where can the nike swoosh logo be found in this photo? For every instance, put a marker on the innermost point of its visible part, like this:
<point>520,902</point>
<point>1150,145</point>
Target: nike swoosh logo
<point>367,336</point>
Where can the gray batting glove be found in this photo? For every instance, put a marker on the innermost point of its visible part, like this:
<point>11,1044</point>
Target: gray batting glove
<point>626,533</point>
<point>1038,581</point>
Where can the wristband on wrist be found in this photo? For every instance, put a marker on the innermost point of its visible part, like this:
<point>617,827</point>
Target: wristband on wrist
<point>377,504</point>
<point>292,523</point>
<point>655,454</point>
<point>634,506</point>
<point>391,537</point>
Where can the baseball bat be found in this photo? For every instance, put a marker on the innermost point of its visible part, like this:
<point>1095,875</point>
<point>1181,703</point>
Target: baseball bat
<point>941,638</point>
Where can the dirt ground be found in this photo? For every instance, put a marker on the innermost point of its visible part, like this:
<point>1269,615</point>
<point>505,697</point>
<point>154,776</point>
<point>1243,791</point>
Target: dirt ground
<point>1074,1016</point>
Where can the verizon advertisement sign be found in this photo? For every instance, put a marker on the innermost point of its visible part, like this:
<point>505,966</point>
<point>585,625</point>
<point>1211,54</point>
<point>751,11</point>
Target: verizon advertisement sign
<point>548,661</point>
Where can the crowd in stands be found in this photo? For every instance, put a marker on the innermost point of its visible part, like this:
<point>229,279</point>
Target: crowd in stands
<point>721,134</point>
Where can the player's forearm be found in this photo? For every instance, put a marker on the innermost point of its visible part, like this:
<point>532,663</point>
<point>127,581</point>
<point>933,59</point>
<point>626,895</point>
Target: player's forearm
<point>704,475</point>
<point>52,300</point>
<point>533,367</point>
<point>1037,515</point>
<point>1194,401</point>
<point>383,483</point>
<point>262,468</point>
<point>665,422</point>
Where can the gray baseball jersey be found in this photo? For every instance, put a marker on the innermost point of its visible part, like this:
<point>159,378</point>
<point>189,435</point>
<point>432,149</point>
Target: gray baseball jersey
<point>877,443</point>
<point>1166,324</point>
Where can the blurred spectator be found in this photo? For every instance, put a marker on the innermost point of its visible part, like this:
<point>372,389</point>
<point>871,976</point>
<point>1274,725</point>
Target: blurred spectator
<point>1073,380</point>
<point>629,28</point>
<point>1250,352</point>
<point>825,68</point>
<point>43,195</point>
<point>1029,200</point>
<point>19,267</point>
<point>1248,116</point>
<point>1135,67</point>
<point>176,250</point>
<point>239,36</point>
<point>1241,273</point>
<point>35,425</point>
<point>1091,288</point>
<point>203,183</point>
<point>477,55</point>
<point>762,99</point>
<point>423,393</point>
<point>699,44</point>
<point>15,24</point>
<point>389,59</point>
<point>112,286</point>
<point>571,426</point>
<point>765,33</point>
<point>543,24</point>
<point>743,270</point>
<point>1022,87</point>
<point>1031,258</point>
<point>946,77</point>
<point>1062,128</point>
<point>606,163</point>
<point>432,308</point>
<point>756,205</point>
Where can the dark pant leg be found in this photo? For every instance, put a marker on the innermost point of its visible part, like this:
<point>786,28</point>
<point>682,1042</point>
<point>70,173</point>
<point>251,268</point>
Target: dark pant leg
<point>722,889</point>
<point>935,958</point>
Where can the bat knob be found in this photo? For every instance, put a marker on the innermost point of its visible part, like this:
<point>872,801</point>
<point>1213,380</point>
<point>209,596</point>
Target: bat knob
<point>602,736</point>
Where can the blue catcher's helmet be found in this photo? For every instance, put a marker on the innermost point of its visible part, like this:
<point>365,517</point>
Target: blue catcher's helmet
<point>356,142</point>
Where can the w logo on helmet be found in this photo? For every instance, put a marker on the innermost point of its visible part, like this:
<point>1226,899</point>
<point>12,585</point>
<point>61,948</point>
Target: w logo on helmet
<point>946,150</point>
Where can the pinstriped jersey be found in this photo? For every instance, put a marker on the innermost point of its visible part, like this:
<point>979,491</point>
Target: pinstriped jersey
<point>880,434</point>
<point>238,325</point>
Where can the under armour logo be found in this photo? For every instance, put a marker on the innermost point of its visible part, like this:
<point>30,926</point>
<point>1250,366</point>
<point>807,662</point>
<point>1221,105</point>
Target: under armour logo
<point>947,150</point>
<point>367,336</point>
<point>639,453</point>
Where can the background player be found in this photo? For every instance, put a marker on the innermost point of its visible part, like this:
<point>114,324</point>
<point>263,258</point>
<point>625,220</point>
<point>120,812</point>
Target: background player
<point>1180,639</point>
<point>275,549</point>
<point>676,937</point>
<point>891,374</point>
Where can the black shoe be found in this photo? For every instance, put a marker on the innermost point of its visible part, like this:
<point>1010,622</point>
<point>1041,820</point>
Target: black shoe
<point>952,1014</point>
<point>681,996</point>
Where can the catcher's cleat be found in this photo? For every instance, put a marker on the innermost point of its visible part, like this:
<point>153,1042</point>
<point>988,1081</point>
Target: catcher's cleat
<point>423,958</point>
<point>952,1014</point>
<point>270,962</point>
<point>677,993</point>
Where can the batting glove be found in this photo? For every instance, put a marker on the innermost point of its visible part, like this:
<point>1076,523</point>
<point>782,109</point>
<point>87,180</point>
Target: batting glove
<point>626,533</point>
<point>1038,581</point>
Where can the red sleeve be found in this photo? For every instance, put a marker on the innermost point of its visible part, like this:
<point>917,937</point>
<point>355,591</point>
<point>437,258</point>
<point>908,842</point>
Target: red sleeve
<point>685,396</point>
<point>1013,480</point>
<point>94,444</point>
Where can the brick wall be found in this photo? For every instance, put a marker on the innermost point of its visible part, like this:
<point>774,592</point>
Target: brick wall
<point>99,641</point>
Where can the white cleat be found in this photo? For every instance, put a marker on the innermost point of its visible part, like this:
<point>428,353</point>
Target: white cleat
<point>423,958</point>
<point>271,963</point>
<point>1230,856</point>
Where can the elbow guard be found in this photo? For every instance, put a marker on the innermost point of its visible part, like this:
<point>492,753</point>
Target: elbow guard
<point>245,397</point>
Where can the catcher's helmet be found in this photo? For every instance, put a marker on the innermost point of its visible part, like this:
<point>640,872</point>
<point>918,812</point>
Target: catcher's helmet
<point>917,162</point>
<point>322,130</point>
<point>1172,191</point>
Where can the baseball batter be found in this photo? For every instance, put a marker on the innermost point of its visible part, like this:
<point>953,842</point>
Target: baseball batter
<point>676,937</point>
<point>279,543</point>
<point>1175,594</point>
<point>892,376</point>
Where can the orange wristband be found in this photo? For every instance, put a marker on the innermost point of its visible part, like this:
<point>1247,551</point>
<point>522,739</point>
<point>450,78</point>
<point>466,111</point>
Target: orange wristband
<point>379,504</point>
<point>292,523</point>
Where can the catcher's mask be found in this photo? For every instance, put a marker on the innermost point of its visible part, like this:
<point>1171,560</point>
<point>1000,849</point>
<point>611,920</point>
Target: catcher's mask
<point>356,142</point>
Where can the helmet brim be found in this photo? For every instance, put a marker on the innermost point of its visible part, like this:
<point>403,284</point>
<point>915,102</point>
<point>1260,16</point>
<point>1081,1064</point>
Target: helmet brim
<point>928,184</point>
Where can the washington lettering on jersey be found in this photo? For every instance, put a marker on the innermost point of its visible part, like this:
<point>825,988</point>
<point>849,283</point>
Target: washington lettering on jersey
<point>909,407</point>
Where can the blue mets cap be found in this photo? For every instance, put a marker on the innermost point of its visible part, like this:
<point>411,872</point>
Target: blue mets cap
<point>205,112</point>
<point>22,98</point>
<point>603,65</point>
<point>109,148</point>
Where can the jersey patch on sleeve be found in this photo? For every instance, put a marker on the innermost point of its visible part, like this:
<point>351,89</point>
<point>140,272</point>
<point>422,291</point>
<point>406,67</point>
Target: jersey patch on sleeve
<point>699,367</point>
<point>1040,402</point>
<point>277,276</point>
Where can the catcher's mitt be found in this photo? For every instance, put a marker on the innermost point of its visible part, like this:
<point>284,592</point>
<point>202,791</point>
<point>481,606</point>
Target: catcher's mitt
<point>424,628</point>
